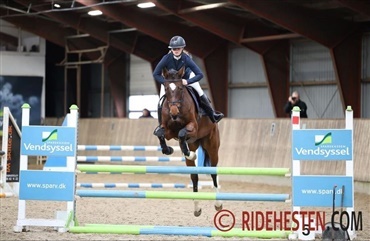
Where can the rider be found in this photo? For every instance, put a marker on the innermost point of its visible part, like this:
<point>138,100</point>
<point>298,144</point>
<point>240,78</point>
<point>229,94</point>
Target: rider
<point>176,59</point>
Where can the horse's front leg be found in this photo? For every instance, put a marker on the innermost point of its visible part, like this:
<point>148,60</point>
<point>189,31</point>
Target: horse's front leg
<point>167,150</point>
<point>183,136</point>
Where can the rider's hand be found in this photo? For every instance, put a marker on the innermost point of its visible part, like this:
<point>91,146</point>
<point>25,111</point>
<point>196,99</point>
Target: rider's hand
<point>184,82</point>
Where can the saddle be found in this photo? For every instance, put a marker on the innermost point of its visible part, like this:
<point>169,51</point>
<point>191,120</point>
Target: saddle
<point>196,98</point>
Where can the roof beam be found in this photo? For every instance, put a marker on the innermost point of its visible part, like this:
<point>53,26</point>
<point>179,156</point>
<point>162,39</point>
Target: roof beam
<point>99,30</point>
<point>270,38</point>
<point>159,28</point>
<point>217,72</point>
<point>118,69</point>
<point>359,6</point>
<point>328,31</point>
<point>222,24</point>
<point>276,64</point>
<point>48,30</point>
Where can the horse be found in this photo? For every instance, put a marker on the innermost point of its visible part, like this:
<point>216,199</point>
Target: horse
<point>182,121</point>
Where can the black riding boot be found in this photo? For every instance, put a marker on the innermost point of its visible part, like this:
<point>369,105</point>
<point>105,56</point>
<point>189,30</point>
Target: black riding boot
<point>206,105</point>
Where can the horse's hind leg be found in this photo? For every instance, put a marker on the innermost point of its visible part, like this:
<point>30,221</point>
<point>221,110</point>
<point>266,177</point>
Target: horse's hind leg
<point>197,209</point>
<point>218,203</point>
<point>194,179</point>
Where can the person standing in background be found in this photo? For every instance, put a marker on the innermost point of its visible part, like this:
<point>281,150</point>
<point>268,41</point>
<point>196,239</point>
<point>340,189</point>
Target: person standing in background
<point>146,114</point>
<point>294,100</point>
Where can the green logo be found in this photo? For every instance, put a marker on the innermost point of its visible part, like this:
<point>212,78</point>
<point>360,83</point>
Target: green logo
<point>50,136</point>
<point>323,140</point>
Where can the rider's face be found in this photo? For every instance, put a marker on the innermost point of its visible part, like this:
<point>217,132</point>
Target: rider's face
<point>177,51</point>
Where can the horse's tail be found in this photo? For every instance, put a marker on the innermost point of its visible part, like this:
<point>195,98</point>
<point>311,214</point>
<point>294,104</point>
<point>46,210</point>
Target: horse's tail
<point>203,157</point>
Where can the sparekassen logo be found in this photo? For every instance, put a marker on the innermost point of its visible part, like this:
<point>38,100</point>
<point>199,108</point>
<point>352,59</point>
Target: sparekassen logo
<point>323,139</point>
<point>50,136</point>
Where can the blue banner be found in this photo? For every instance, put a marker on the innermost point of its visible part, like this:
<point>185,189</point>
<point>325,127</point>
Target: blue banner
<point>317,191</point>
<point>323,144</point>
<point>46,185</point>
<point>48,141</point>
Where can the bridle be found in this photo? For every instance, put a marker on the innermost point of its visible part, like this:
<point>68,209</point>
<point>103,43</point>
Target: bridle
<point>176,102</point>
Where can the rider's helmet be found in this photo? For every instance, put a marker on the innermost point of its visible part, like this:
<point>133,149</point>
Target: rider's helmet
<point>177,42</point>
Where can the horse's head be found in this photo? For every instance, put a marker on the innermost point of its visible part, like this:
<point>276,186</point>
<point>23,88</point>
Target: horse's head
<point>174,90</point>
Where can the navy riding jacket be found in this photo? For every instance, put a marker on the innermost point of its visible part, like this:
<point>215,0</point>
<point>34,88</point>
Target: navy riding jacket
<point>169,62</point>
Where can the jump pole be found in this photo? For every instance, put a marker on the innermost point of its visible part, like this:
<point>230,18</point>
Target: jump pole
<point>173,230</point>
<point>185,170</point>
<point>131,185</point>
<point>201,184</point>
<point>184,195</point>
<point>129,158</point>
<point>121,148</point>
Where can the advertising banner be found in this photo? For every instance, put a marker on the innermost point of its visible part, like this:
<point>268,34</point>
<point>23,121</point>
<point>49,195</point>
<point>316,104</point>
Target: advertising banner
<point>317,191</point>
<point>48,141</point>
<point>50,186</point>
<point>13,153</point>
<point>322,144</point>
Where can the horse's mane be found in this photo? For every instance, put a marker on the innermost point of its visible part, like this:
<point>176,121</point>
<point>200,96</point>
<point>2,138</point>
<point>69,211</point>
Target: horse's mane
<point>172,72</point>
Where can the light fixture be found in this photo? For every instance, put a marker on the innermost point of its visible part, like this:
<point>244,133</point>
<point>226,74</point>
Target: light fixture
<point>95,12</point>
<point>146,5</point>
<point>56,5</point>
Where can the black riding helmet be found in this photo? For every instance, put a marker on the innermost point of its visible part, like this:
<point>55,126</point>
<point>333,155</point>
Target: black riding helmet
<point>177,42</point>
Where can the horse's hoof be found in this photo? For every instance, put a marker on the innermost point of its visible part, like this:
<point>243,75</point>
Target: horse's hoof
<point>198,213</point>
<point>192,156</point>
<point>218,208</point>
<point>167,151</point>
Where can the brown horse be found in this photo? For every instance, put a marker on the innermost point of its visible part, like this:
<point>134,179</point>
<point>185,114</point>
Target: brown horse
<point>181,121</point>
